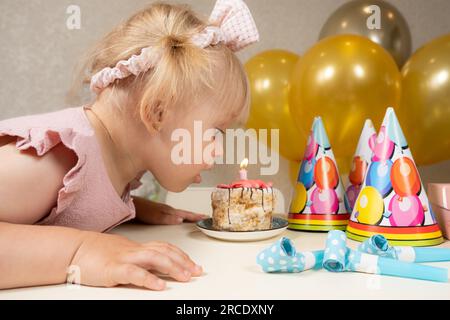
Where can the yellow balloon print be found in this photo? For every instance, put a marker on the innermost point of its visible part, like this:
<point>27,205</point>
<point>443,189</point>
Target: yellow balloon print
<point>299,199</point>
<point>370,206</point>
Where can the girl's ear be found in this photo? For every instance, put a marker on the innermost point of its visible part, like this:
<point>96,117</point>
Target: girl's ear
<point>154,116</point>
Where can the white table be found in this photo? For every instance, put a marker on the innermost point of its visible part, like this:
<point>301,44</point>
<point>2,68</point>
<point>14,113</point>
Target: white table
<point>232,273</point>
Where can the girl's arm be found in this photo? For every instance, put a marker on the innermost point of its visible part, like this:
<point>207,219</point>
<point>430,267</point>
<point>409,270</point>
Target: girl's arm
<point>40,255</point>
<point>36,255</point>
<point>159,213</point>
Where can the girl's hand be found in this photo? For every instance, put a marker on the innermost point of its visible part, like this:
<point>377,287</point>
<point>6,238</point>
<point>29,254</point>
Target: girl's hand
<point>159,213</point>
<point>106,260</point>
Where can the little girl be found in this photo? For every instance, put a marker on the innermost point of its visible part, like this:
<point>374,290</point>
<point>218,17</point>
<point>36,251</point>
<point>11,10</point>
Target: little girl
<point>66,176</point>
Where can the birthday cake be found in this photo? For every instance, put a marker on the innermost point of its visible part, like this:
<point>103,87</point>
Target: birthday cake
<point>245,205</point>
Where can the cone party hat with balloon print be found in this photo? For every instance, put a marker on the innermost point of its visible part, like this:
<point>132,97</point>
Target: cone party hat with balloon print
<point>392,200</point>
<point>361,162</point>
<point>319,202</point>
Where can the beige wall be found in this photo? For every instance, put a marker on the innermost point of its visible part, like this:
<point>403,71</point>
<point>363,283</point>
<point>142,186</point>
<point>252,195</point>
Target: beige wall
<point>38,52</point>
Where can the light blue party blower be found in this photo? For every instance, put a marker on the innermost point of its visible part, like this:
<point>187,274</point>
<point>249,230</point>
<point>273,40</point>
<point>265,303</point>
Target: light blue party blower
<point>338,258</point>
<point>380,246</point>
<point>283,257</point>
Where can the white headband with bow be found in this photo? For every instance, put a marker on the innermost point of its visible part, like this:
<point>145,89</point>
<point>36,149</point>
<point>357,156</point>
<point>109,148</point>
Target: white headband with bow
<point>232,23</point>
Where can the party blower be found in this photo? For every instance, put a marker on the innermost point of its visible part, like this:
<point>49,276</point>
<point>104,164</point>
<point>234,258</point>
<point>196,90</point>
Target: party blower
<point>319,202</point>
<point>392,200</point>
<point>339,258</point>
<point>283,257</point>
<point>380,246</point>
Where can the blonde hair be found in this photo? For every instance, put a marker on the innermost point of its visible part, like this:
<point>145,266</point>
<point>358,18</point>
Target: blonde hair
<point>184,72</point>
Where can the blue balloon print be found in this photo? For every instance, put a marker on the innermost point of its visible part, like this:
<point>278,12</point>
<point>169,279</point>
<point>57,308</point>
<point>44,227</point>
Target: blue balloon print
<point>306,174</point>
<point>379,176</point>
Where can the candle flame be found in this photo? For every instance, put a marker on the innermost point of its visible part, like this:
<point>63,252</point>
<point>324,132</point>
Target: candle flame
<point>244,163</point>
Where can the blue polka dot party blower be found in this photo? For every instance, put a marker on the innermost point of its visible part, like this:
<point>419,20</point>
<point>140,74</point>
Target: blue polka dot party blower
<point>283,257</point>
<point>339,258</point>
<point>380,246</point>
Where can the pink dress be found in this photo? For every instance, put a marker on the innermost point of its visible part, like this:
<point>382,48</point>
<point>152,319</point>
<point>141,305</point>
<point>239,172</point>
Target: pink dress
<point>87,199</point>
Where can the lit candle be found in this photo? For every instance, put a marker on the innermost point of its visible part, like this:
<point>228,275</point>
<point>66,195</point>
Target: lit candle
<point>244,182</point>
<point>243,171</point>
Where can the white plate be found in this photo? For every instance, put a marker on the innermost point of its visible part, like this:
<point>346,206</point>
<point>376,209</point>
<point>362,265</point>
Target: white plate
<point>278,227</point>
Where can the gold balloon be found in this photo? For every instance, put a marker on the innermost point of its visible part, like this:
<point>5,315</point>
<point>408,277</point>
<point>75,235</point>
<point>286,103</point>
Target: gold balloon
<point>344,79</point>
<point>425,105</point>
<point>343,164</point>
<point>269,74</point>
<point>377,20</point>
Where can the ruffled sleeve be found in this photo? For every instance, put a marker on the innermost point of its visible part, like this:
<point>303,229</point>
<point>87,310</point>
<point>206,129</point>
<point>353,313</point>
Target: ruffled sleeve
<point>42,140</point>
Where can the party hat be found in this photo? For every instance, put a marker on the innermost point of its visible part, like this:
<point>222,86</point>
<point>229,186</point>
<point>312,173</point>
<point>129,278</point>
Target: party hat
<point>319,202</point>
<point>393,201</point>
<point>361,161</point>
